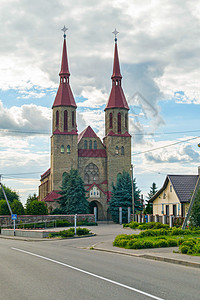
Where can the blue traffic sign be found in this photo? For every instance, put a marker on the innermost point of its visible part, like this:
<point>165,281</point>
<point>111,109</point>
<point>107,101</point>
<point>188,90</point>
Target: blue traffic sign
<point>14,217</point>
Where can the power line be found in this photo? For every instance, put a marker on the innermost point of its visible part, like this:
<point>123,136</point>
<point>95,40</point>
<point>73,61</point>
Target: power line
<point>171,132</point>
<point>138,153</point>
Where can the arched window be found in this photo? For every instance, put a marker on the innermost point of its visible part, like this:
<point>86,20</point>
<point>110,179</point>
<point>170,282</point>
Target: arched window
<point>91,174</point>
<point>122,150</point>
<point>73,119</point>
<point>116,150</point>
<point>62,149</point>
<point>85,144</point>
<point>90,144</point>
<point>126,121</point>
<point>119,122</point>
<point>95,144</point>
<point>57,118</point>
<point>110,120</point>
<point>117,82</point>
<point>64,80</point>
<point>60,79</point>
<point>65,120</point>
<point>68,149</point>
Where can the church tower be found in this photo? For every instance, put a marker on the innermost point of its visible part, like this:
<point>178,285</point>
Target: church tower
<point>64,152</point>
<point>117,138</point>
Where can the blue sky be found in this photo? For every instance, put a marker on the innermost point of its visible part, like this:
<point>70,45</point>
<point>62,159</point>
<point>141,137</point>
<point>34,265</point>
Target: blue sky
<point>159,57</point>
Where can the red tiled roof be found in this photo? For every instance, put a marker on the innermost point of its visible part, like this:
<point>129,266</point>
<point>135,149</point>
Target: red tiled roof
<point>64,96</point>
<point>87,133</point>
<point>92,153</point>
<point>51,197</point>
<point>57,131</point>
<point>64,65</point>
<point>46,173</point>
<point>117,98</point>
<point>94,183</point>
<point>105,182</point>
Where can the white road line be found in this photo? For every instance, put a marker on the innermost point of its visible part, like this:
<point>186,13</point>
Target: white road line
<point>90,274</point>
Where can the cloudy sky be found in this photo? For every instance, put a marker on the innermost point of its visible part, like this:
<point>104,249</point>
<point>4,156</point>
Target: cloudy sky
<point>159,53</point>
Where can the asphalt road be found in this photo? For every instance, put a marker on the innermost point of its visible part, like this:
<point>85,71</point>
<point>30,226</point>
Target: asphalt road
<point>65,269</point>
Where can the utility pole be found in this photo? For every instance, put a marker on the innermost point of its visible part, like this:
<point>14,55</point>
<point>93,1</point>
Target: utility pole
<point>133,200</point>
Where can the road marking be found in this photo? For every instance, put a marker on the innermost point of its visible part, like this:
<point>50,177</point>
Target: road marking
<point>90,274</point>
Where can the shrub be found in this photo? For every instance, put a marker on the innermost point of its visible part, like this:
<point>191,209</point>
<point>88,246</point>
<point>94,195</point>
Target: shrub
<point>82,231</point>
<point>148,244</point>
<point>172,243</point>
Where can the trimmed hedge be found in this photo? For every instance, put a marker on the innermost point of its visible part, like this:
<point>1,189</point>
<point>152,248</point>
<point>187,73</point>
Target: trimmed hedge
<point>144,226</point>
<point>70,233</point>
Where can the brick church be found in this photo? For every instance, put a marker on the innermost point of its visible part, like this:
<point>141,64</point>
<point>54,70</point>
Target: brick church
<point>98,162</point>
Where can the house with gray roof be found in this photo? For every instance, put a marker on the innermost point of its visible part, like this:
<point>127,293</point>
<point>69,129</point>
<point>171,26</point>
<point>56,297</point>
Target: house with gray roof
<point>174,196</point>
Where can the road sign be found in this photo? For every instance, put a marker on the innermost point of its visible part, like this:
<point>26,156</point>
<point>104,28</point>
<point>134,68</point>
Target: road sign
<point>14,217</point>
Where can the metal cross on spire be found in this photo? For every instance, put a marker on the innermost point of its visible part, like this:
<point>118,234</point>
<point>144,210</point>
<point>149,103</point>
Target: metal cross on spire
<point>115,32</point>
<point>64,29</point>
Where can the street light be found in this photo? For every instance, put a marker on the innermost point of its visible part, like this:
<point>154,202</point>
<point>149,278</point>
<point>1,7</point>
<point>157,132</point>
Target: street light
<point>133,200</point>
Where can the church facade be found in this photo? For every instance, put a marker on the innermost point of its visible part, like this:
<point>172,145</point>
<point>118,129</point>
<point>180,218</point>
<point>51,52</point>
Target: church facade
<point>98,162</point>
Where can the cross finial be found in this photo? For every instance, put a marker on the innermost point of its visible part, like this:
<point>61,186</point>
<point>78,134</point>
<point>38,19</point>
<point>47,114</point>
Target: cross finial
<point>115,32</point>
<point>64,29</point>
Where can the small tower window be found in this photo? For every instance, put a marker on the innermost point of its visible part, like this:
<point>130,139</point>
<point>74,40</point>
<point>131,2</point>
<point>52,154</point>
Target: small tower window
<point>64,80</point>
<point>113,82</point>
<point>85,144</point>
<point>73,119</point>
<point>110,120</point>
<point>90,144</point>
<point>68,149</point>
<point>60,79</point>
<point>62,149</point>
<point>57,118</point>
<point>116,150</point>
<point>119,122</point>
<point>126,121</point>
<point>117,82</point>
<point>65,120</point>
<point>95,144</point>
<point>122,150</point>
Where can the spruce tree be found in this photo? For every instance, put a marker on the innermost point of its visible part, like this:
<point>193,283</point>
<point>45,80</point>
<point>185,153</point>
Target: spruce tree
<point>195,213</point>
<point>122,197</point>
<point>73,196</point>
<point>149,206</point>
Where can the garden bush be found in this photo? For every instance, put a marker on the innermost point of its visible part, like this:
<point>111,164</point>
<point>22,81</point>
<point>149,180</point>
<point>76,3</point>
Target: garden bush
<point>82,231</point>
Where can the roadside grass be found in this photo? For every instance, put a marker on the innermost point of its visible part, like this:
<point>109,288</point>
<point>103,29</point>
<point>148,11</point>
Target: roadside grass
<point>187,240</point>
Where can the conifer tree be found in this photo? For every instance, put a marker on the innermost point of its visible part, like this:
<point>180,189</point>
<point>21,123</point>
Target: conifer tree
<point>73,196</point>
<point>149,206</point>
<point>195,213</point>
<point>122,197</point>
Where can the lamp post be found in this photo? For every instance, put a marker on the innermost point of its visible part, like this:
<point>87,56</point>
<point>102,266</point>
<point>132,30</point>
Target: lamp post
<point>133,200</point>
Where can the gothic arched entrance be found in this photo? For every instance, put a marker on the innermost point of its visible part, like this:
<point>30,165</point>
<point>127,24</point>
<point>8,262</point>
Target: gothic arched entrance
<point>98,205</point>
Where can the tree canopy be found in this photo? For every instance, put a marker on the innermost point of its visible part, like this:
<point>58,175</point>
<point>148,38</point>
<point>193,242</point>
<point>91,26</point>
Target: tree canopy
<point>122,197</point>
<point>149,206</point>
<point>37,208</point>
<point>13,199</point>
<point>73,195</point>
<point>11,195</point>
<point>195,213</point>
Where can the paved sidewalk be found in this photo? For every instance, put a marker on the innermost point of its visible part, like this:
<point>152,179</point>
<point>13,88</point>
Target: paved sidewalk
<point>160,254</point>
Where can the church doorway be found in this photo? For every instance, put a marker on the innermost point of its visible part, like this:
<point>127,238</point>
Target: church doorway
<point>98,205</point>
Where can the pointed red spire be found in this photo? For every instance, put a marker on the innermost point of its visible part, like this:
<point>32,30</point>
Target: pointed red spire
<point>116,67</point>
<point>64,65</point>
<point>64,95</point>
<point>117,98</point>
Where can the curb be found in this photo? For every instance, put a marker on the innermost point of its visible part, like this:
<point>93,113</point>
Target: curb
<point>153,257</point>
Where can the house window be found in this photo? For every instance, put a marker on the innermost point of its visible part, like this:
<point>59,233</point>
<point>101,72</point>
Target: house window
<point>110,120</point>
<point>62,149</point>
<point>174,210</point>
<point>170,188</point>
<point>119,122</point>
<point>167,210</point>
<point>85,144</point>
<point>122,150</point>
<point>95,144</point>
<point>68,149</point>
<point>73,119</point>
<point>90,144</point>
<point>65,120</point>
<point>91,174</point>
<point>57,118</point>
<point>116,150</point>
